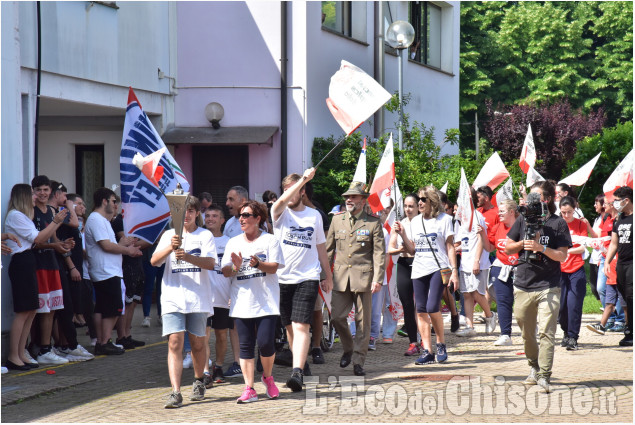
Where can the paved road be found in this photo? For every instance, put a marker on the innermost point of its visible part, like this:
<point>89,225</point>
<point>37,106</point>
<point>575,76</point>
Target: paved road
<point>479,383</point>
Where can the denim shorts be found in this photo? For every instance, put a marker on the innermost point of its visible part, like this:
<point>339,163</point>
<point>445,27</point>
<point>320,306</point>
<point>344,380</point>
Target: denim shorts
<point>194,323</point>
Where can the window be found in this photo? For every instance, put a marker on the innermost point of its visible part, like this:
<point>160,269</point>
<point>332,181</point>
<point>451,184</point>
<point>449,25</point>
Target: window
<point>426,18</point>
<point>345,17</point>
<point>89,171</point>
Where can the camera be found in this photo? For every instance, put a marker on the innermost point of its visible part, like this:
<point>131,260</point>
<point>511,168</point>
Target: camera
<point>534,213</point>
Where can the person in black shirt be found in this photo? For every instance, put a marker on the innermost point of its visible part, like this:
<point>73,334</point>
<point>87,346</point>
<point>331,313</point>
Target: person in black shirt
<point>537,284</point>
<point>622,244</point>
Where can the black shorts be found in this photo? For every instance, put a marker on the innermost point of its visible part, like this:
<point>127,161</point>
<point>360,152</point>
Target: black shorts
<point>297,302</point>
<point>109,302</point>
<point>220,319</point>
<point>24,285</point>
<point>135,285</point>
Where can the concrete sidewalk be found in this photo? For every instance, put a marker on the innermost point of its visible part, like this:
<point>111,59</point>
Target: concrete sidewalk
<point>478,383</point>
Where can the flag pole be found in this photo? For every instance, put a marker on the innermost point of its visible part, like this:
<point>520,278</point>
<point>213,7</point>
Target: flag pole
<point>330,152</point>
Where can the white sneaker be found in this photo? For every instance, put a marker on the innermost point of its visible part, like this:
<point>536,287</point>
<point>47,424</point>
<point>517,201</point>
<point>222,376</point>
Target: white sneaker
<point>462,320</point>
<point>187,361</point>
<point>465,332</point>
<point>490,323</point>
<point>84,352</point>
<point>93,342</point>
<point>51,358</point>
<point>146,322</point>
<point>503,340</point>
<point>79,354</point>
<point>4,370</point>
<point>28,357</point>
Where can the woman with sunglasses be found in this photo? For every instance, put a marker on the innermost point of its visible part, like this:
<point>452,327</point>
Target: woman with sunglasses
<point>501,275</point>
<point>432,245</point>
<point>404,271</point>
<point>251,260</point>
<point>22,270</point>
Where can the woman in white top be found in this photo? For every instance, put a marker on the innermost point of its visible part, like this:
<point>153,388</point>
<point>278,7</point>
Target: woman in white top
<point>433,247</point>
<point>404,272</point>
<point>252,259</point>
<point>24,284</point>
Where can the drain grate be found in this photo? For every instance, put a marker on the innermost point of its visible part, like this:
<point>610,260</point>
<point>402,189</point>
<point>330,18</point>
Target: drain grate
<point>434,377</point>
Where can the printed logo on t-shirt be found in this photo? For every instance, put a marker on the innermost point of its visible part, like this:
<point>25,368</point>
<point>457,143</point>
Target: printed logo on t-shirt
<point>464,244</point>
<point>299,236</point>
<point>217,267</point>
<point>544,240</point>
<point>247,272</point>
<point>422,245</point>
<point>185,267</point>
<point>624,232</point>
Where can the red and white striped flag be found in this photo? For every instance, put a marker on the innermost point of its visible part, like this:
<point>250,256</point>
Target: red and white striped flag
<point>581,176</point>
<point>395,308</point>
<point>464,205</point>
<point>380,190</point>
<point>360,171</point>
<point>621,176</point>
<point>528,153</point>
<point>492,174</point>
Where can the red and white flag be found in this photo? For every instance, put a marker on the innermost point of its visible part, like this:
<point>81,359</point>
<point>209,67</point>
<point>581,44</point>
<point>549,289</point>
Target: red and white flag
<point>354,96</point>
<point>621,176</point>
<point>149,165</point>
<point>581,176</point>
<point>464,205</point>
<point>145,210</point>
<point>360,171</point>
<point>380,190</point>
<point>492,174</point>
<point>533,176</point>
<point>505,192</point>
<point>528,153</point>
<point>395,308</point>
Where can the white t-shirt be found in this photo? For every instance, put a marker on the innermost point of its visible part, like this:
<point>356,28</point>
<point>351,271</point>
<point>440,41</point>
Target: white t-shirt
<point>438,231</point>
<point>299,233</point>
<point>102,265</point>
<point>253,292</point>
<point>406,223</point>
<point>221,285</point>
<point>232,228</point>
<point>187,288</point>
<point>468,246</point>
<point>23,228</point>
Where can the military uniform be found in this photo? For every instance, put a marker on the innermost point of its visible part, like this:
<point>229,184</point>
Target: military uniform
<point>358,247</point>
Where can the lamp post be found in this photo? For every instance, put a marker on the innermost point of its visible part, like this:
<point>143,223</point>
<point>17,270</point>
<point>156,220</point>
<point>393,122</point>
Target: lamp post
<point>400,36</point>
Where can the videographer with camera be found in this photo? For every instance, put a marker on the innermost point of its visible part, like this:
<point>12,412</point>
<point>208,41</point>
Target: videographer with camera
<point>542,241</point>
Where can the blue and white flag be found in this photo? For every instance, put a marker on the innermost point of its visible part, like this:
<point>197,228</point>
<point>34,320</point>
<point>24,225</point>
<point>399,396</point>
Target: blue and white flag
<point>145,210</point>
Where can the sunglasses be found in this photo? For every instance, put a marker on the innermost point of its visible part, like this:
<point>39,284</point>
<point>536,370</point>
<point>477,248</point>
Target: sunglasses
<point>423,199</point>
<point>246,215</point>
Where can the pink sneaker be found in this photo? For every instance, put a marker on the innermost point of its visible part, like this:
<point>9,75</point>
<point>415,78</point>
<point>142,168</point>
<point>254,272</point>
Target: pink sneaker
<point>413,349</point>
<point>272,390</point>
<point>249,395</point>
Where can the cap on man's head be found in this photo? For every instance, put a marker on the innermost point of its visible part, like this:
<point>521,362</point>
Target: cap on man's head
<point>356,188</point>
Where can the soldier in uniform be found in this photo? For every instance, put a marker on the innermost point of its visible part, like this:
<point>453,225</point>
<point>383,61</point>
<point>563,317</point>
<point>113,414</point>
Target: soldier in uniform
<point>355,242</point>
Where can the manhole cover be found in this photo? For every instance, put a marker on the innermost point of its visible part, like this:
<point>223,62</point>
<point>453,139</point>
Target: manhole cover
<point>434,377</point>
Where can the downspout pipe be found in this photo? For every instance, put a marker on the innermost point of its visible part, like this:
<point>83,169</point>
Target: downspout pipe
<point>283,89</point>
<point>37,97</point>
<point>378,63</point>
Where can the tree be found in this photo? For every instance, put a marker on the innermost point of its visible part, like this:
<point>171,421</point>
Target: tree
<point>520,53</point>
<point>614,143</point>
<point>556,129</point>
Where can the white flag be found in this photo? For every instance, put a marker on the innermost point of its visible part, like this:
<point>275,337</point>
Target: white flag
<point>533,176</point>
<point>621,176</point>
<point>444,188</point>
<point>145,210</point>
<point>528,153</point>
<point>582,175</point>
<point>505,192</point>
<point>464,206</point>
<point>395,308</point>
<point>492,174</point>
<point>354,96</point>
<point>360,171</point>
